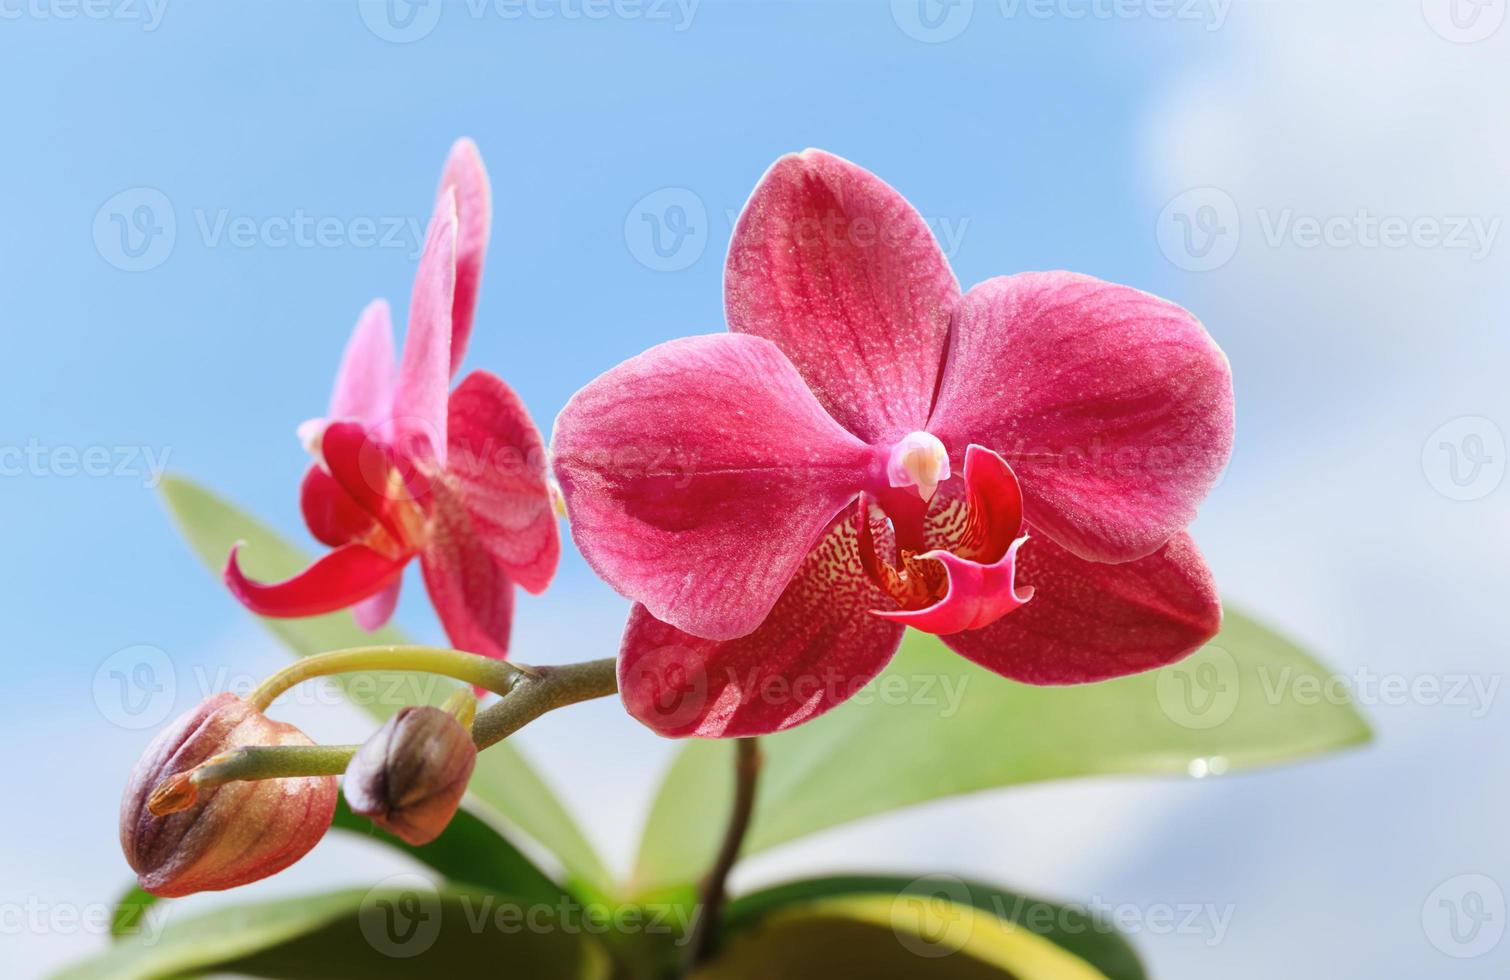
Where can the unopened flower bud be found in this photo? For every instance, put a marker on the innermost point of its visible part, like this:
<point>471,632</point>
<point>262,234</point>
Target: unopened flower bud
<point>181,839</point>
<point>409,777</point>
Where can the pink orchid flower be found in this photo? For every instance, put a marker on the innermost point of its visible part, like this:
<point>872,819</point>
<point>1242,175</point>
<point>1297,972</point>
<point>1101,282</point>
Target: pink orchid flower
<point>406,468</point>
<point>1011,468</point>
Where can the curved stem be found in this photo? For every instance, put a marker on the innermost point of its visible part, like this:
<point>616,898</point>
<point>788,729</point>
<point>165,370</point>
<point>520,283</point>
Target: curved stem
<point>544,689</point>
<point>714,889</point>
<point>497,676</point>
<point>528,693</point>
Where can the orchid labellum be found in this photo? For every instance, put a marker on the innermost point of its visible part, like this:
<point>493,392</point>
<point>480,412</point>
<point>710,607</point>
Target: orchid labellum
<point>1011,468</point>
<point>405,468</point>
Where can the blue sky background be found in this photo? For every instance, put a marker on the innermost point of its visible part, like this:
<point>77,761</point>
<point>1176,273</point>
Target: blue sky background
<point>1048,141</point>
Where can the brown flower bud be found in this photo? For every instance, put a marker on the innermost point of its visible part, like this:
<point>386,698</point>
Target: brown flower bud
<point>409,777</point>
<point>226,835</point>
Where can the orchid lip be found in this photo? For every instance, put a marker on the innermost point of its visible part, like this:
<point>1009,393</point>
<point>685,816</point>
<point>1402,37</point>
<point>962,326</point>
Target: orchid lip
<point>919,460</point>
<point>966,580</point>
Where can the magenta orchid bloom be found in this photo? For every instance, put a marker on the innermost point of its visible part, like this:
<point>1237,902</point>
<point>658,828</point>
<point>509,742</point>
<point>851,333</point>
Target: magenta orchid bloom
<point>782,500</point>
<point>406,468</point>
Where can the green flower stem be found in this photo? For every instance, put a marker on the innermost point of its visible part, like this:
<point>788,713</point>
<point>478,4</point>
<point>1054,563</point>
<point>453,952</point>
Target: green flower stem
<point>544,689</point>
<point>527,693</point>
<point>273,762</point>
<point>497,676</point>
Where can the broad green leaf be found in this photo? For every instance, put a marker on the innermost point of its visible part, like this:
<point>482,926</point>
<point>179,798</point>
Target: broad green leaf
<point>400,931</point>
<point>467,852</point>
<point>1076,930</point>
<point>934,725</point>
<point>905,935</point>
<point>207,939</point>
<point>504,782</point>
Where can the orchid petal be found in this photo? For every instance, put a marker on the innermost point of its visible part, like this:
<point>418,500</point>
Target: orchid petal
<point>818,646</point>
<point>1090,621</point>
<point>368,471</point>
<point>1113,406</point>
<point>368,372</point>
<point>471,592</point>
<point>840,271</point>
<point>698,475</point>
<point>344,576</point>
<point>331,514</point>
<point>424,381</point>
<point>468,179</point>
<point>497,467</point>
<point>374,612</point>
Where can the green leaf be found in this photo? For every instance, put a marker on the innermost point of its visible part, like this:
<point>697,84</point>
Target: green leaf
<point>467,852</point>
<point>129,910</point>
<point>503,782</point>
<point>906,935</point>
<point>1076,930</point>
<point>934,726</point>
<point>382,932</point>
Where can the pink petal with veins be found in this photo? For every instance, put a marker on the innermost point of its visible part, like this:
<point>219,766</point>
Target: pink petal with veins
<point>1114,407</point>
<point>466,177</point>
<point>699,474</point>
<point>840,272</point>
<point>496,465</point>
<point>818,646</point>
<point>472,593</point>
<point>424,380</point>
